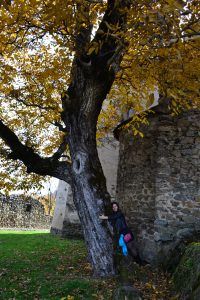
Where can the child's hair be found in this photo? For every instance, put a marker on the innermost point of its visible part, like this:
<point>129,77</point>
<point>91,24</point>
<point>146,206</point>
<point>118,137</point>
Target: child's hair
<point>114,202</point>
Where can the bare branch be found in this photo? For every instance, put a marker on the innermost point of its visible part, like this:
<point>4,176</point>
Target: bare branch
<point>62,148</point>
<point>33,161</point>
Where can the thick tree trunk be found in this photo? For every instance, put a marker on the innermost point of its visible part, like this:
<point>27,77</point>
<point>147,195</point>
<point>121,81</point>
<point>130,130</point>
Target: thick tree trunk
<point>91,79</point>
<point>99,243</point>
<point>91,196</point>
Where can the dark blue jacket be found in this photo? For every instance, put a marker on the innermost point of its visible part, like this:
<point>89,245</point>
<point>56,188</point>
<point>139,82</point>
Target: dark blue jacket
<point>118,222</point>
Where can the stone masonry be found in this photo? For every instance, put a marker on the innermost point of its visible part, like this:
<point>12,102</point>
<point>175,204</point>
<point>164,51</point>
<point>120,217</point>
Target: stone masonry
<point>158,184</point>
<point>20,212</point>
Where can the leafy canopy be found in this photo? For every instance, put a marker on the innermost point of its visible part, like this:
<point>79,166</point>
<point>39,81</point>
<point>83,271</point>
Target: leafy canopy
<point>38,40</point>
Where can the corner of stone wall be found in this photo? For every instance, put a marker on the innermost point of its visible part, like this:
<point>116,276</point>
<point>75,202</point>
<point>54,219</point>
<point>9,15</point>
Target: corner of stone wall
<point>159,183</point>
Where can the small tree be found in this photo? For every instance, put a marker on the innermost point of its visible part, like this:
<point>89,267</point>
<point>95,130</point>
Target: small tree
<point>59,61</point>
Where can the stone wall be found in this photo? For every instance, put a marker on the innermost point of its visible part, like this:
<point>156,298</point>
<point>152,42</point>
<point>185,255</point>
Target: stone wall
<point>20,212</point>
<point>65,220</point>
<point>159,181</point>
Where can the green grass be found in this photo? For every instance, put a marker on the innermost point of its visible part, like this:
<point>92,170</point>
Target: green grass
<point>36,265</point>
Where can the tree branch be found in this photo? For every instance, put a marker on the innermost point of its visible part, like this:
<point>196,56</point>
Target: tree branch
<point>109,32</point>
<point>184,38</point>
<point>62,148</point>
<point>59,126</point>
<point>35,105</point>
<point>33,161</point>
<point>97,66</point>
<point>107,44</point>
<point>95,1</point>
<point>15,94</point>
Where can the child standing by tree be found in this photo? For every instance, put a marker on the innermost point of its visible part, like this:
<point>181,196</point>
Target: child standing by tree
<point>121,229</point>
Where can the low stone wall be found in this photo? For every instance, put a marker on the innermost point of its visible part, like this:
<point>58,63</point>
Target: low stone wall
<point>22,212</point>
<point>159,181</point>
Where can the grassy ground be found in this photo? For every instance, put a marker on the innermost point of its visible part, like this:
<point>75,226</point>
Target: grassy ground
<point>36,265</point>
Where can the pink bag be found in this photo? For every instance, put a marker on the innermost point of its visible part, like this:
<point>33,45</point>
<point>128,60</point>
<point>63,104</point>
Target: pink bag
<point>127,237</point>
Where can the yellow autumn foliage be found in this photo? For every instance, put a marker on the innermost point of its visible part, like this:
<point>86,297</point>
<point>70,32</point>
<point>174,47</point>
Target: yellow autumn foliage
<point>37,45</point>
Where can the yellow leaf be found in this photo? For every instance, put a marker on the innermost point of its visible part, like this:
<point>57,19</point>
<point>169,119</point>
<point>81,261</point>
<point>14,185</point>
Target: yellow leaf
<point>92,49</point>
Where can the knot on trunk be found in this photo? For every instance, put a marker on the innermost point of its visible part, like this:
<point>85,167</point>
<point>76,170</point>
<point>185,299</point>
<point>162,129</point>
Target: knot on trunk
<point>79,163</point>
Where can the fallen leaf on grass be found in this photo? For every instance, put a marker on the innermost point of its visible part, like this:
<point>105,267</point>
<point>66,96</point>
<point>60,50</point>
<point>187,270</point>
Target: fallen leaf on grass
<point>88,267</point>
<point>69,297</point>
<point>176,297</point>
<point>3,273</point>
<point>94,295</point>
<point>61,268</point>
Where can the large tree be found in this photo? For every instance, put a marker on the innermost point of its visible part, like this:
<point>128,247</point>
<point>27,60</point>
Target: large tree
<point>59,61</point>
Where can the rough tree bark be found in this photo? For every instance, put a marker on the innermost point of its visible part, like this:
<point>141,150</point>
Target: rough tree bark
<point>88,182</point>
<point>91,81</point>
